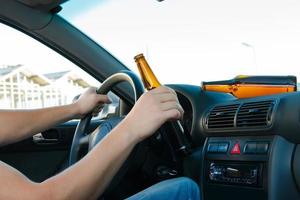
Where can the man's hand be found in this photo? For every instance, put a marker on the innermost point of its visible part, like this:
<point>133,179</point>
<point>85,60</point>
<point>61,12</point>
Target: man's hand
<point>89,102</point>
<point>152,110</point>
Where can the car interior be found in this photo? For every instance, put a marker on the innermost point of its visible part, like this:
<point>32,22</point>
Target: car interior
<point>238,148</point>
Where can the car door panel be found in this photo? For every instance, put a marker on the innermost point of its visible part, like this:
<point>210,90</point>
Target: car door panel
<point>41,160</point>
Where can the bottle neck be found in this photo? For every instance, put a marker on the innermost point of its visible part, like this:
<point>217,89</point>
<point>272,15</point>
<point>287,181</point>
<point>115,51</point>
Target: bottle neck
<point>149,79</point>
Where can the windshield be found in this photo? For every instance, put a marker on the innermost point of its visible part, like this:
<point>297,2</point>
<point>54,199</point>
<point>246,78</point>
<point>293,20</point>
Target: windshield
<point>190,41</point>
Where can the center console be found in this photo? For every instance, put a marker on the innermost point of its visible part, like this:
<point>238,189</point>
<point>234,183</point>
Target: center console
<point>236,167</point>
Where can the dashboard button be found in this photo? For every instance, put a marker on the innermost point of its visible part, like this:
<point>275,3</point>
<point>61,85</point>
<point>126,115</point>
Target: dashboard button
<point>223,147</point>
<point>236,150</point>
<point>212,148</point>
<point>250,148</point>
<point>262,148</point>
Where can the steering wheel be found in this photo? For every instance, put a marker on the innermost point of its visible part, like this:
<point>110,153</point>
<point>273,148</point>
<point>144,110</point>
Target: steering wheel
<point>83,138</point>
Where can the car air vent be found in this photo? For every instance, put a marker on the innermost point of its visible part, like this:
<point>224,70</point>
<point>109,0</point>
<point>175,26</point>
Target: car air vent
<point>255,114</point>
<point>222,116</point>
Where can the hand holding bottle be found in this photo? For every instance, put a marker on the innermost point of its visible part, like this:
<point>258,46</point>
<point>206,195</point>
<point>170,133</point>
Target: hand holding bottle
<point>150,82</point>
<point>152,110</point>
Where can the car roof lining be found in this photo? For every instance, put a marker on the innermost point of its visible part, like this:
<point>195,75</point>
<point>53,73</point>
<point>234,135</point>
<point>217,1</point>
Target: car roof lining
<point>44,5</point>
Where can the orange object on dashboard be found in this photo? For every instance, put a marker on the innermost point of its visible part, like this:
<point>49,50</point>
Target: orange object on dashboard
<point>253,86</point>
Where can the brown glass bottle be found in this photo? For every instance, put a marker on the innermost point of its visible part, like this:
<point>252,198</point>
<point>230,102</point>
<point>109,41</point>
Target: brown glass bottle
<point>150,82</point>
<point>149,79</point>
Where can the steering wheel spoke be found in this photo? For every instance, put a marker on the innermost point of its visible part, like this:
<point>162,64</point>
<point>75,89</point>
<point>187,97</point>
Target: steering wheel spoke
<point>84,141</point>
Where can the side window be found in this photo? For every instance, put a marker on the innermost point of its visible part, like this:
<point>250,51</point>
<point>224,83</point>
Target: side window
<point>34,76</point>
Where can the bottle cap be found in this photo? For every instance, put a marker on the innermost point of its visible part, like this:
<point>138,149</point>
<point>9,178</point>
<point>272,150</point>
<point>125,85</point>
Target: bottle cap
<point>139,56</point>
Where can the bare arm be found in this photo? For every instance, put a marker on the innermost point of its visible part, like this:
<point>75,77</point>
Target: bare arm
<point>16,125</point>
<point>89,177</point>
<point>84,180</point>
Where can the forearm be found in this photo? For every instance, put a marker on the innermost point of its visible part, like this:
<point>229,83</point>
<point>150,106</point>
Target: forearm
<point>16,125</point>
<point>90,176</point>
<point>87,179</point>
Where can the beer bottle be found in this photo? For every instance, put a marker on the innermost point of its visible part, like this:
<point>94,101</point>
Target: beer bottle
<point>150,82</point>
<point>149,79</point>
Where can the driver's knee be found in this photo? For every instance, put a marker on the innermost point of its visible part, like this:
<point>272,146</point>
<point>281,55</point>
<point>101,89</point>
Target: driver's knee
<point>193,188</point>
<point>178,188</point>
<point>186,188</point>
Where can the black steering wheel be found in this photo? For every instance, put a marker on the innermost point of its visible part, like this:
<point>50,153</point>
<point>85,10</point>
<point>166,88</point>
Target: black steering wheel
<point>81,137</point>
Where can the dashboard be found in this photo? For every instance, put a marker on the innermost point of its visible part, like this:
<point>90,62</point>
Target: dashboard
<point>245,148</point>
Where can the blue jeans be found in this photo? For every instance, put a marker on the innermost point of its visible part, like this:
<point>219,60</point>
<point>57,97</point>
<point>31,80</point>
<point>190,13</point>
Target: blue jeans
<point>173,189</point>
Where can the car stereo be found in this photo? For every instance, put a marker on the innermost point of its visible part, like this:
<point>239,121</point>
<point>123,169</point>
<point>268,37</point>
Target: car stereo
<point>235,173</point>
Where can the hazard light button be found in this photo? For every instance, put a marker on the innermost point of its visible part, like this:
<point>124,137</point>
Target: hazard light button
<point>236,149</point>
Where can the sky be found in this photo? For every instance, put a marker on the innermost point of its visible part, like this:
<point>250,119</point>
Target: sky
<point>184,41</point>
